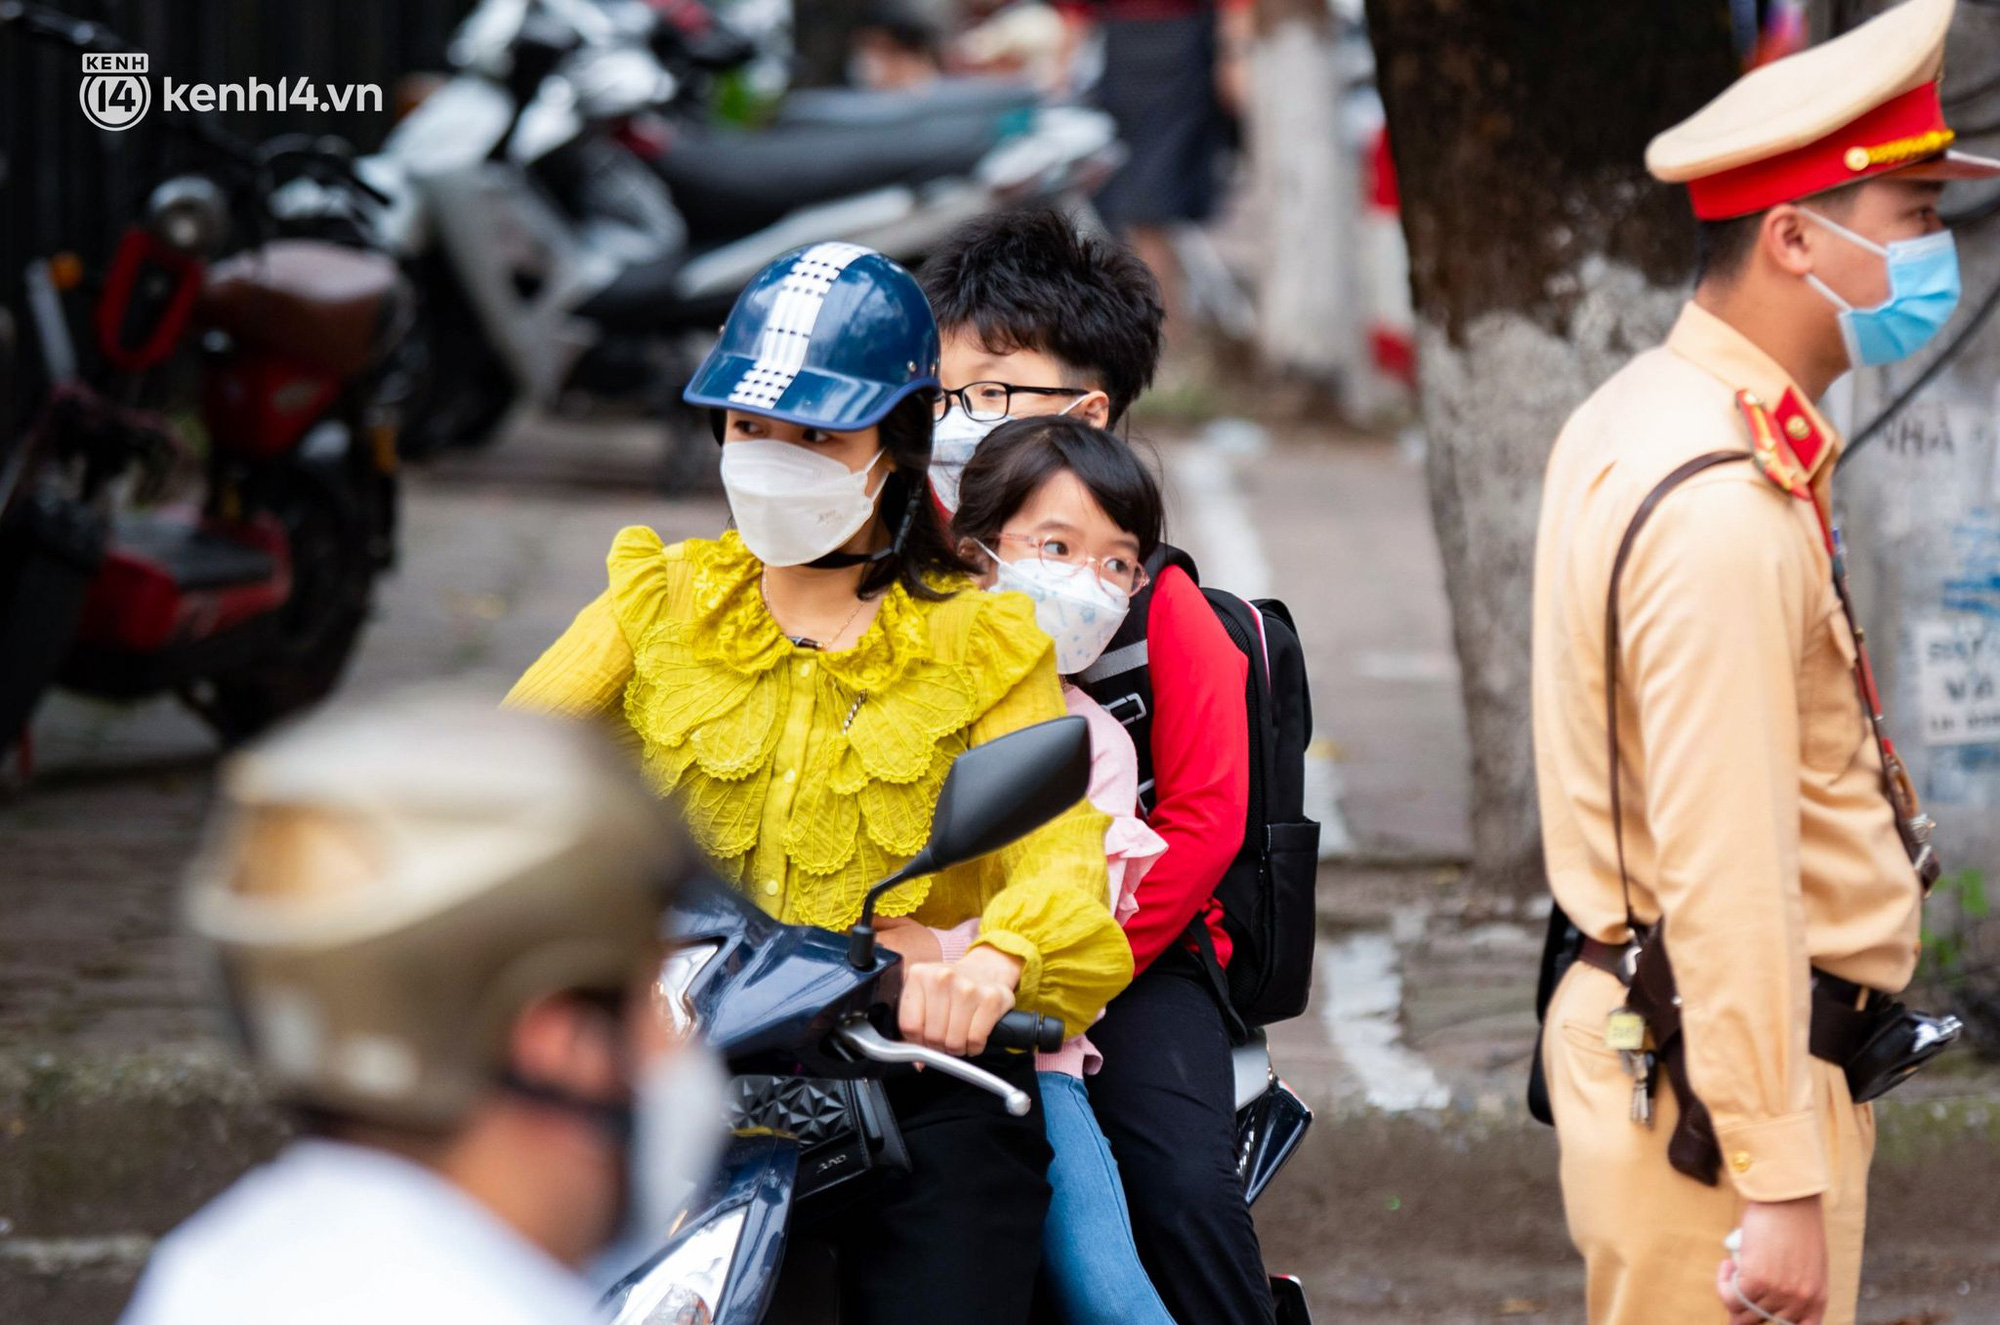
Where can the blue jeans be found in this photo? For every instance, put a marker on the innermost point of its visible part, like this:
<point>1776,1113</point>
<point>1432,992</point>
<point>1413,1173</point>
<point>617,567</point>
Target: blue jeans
<point>1089,1261</point>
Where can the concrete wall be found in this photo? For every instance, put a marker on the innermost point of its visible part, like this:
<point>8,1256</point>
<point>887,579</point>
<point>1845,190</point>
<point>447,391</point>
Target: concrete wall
<point>1921,509</point>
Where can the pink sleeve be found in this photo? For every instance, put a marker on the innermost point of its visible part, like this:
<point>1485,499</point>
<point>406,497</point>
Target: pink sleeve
<point>954,942</point>
<point>1130,847</point>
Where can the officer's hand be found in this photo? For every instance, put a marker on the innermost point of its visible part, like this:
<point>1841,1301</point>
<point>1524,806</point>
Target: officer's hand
<point>954,1008</point>
<point>1782,1266</point>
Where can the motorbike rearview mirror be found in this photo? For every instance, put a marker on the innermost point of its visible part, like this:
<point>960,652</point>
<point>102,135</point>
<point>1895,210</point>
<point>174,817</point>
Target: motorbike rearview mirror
<point>994,794</point>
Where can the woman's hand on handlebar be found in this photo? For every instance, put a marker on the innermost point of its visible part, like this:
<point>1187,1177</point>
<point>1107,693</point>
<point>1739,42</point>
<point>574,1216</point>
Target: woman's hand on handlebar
<point>954,1008</point>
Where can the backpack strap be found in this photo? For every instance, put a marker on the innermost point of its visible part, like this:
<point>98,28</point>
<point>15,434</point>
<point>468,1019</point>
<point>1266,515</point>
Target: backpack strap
<point>1197,936</point>
<point>1121,680</point>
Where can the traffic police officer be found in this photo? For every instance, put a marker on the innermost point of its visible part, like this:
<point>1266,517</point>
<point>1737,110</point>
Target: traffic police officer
<point>1750,817</point>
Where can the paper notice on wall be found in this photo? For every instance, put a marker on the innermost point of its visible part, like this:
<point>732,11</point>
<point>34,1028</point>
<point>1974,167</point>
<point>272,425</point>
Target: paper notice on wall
<point>1958,681</point>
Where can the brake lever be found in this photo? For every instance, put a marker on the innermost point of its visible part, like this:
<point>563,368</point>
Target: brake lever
<point>858,1034</point>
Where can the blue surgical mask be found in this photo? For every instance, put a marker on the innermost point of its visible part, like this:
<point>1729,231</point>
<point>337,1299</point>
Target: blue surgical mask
<point>1923,292</point>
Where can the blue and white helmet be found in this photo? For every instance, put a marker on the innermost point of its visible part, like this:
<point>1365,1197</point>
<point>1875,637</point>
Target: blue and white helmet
<point>830,336</point>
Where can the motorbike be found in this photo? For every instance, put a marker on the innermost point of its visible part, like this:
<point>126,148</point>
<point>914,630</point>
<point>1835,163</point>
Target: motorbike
<point>245,593</point>
<point>805,1019</point>
<point>577,229</point>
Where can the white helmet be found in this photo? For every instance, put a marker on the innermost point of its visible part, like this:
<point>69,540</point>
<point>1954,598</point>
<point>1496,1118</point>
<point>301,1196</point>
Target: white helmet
<point>386,887</point>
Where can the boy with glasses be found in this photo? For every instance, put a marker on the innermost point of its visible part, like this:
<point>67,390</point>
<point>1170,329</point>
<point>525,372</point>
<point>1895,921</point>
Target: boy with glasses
<point>1039,319</point>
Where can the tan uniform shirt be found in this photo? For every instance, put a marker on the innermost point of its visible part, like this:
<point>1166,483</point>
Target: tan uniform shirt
<point>1754,814</point>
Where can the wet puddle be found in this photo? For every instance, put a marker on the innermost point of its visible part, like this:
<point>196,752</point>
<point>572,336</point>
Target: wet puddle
<point>1363,1017</point>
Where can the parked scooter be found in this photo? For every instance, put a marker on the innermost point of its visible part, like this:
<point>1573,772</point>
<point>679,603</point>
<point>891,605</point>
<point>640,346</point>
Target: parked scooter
<point>806,1019</point>
<point>577,229</point>
<point>247,602</point>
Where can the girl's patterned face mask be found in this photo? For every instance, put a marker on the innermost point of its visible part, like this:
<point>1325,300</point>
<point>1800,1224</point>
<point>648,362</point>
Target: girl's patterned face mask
<point>1073,606</point>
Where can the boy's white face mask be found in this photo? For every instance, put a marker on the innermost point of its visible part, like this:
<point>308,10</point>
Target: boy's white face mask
<point>953,440</point>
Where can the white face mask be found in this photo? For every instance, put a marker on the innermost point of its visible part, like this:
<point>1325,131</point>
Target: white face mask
<point>678,1132</point>
<point>953,440</point>
<point>1073,607</point>
<point>793,505</point>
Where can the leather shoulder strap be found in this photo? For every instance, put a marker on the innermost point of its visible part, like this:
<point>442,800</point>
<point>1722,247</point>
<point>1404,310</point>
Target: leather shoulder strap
<point>1651,502</point>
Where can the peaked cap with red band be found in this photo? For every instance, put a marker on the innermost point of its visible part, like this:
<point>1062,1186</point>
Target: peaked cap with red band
<point>1860,105</point>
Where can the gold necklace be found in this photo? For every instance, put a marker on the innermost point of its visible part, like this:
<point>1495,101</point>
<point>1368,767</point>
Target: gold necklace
<point>805,641</point>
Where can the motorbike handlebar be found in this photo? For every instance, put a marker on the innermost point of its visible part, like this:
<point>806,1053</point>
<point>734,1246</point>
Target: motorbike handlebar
<point>328,160</point>
<point>1027,1030</point>
<point>863,1039</point>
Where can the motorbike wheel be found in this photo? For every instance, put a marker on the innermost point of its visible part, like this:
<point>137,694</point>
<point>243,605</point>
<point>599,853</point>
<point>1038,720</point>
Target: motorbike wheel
<point>459,388</point>
<point>333,580</point>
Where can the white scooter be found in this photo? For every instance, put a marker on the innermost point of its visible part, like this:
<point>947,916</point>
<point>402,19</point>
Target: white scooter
<point>576,230</point>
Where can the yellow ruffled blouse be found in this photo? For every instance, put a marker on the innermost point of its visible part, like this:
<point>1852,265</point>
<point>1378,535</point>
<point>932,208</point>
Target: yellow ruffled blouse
<point>808,775</point>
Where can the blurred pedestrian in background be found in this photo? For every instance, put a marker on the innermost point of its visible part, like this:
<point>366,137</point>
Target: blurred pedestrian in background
<point>1167,67</point>
<point>435,925</point>
<point>898,46</point>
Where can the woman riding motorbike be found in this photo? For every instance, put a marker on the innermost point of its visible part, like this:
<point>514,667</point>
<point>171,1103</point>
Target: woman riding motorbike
<point>800,685</point>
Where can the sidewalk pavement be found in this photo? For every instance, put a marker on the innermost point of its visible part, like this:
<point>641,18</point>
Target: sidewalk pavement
<point>1342,527</point>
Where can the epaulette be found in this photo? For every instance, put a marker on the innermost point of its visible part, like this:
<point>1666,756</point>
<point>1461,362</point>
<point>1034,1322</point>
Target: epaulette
<point>1784,441</point>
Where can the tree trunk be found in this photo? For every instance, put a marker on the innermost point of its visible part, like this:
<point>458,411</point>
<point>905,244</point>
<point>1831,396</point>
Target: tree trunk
<point>1541,258</point>
<point>1306,314</point>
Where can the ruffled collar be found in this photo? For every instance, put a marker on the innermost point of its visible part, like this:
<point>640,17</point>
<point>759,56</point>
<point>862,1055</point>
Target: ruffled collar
<point>732,626</point>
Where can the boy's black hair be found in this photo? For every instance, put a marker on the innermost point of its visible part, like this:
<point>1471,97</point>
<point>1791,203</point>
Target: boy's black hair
<point>1030,280</point>
<point>1016,458</point>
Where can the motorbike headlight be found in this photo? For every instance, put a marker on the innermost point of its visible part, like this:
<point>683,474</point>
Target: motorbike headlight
<point>189,213</point>
<point>677,977</point>
<point>685,1286</point>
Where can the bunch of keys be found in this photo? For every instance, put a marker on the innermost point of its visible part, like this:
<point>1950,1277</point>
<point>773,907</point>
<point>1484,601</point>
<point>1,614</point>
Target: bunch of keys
<point>1625,1031</point>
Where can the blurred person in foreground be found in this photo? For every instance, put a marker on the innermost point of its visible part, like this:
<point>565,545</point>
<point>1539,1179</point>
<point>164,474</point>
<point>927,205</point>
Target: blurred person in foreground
<point>1710,778</point>
<point>436,928</point>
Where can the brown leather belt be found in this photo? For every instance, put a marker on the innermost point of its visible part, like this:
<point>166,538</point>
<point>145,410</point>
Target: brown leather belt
<point>1841,1009</point>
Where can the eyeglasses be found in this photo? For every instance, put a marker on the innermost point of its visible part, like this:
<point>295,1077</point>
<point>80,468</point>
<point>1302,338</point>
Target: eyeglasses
<point>1119,574</point>
<point>990,402</point>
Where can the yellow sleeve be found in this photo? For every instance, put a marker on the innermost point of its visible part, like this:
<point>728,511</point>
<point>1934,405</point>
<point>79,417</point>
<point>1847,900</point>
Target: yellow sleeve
<point>1052,907</point>
<point>584,673</point>
<point>1713,622</point>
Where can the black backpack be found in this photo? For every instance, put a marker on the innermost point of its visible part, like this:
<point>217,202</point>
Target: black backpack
<point>1267,894</point>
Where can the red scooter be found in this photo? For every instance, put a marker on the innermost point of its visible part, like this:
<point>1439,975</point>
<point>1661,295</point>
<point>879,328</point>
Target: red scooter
<point>242,593</point>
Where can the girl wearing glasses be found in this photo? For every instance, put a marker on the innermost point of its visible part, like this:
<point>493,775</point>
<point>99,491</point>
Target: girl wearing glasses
<point>1067,514</point>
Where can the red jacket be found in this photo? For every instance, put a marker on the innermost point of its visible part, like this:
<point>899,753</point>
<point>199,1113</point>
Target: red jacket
<point>1201,767</point>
